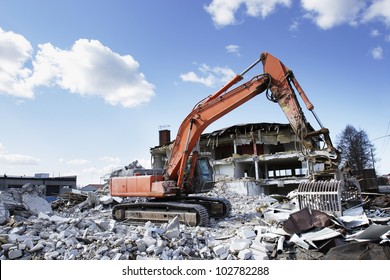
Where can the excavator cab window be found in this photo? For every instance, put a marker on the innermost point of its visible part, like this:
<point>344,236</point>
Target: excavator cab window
<point>203,177</point>
<point>204,169</point>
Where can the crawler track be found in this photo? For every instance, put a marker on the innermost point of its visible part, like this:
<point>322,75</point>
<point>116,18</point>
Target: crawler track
<point>160,212</point>
<point>191,210</point>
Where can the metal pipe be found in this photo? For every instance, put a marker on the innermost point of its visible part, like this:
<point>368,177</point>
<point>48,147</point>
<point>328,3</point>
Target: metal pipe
<point>251,66</point>
<point>235,80</point>
<point>279,247</point>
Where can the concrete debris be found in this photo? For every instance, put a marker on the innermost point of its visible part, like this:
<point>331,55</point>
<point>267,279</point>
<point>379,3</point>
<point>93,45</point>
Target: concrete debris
<point>81,227</point>
<point>24,201</point>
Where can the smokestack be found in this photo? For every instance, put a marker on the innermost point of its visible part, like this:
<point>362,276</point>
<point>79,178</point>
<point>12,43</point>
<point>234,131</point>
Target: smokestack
<point>164,136</point>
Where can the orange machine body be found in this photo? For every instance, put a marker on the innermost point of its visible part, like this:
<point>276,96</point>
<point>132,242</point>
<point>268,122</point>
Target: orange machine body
<point>142,186</point>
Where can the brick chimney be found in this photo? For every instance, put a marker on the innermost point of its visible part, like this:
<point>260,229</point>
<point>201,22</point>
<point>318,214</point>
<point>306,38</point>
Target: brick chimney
<point>165,136</point>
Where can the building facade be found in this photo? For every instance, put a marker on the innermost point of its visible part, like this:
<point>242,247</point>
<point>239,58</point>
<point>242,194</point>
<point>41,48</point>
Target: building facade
<point>256,158</point>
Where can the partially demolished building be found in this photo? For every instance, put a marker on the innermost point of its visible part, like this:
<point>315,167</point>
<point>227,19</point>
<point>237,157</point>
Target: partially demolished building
<point>252,158</point>
<point>53,186</point>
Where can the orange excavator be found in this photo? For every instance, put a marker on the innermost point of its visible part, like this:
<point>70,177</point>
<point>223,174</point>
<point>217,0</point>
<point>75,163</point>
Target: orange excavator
<point>174,192</point>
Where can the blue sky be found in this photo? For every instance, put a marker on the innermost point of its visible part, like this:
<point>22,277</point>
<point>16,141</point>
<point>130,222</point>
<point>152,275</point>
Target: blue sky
<point>85,85</point>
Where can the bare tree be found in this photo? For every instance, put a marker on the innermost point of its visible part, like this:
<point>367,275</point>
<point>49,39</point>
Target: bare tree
<point>355,148</point>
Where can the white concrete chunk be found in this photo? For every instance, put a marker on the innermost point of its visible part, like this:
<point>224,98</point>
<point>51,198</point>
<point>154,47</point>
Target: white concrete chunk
<point>239,244</point>
<point>107,199</point>
<point>37,247</point>
<point>204,250</point>
<point>258,255</point>
<point>117,257</point>
<point>257,245</point>
<point>220,249</point>
<point>173,224</point>
<point>58,219</point>
<point>245,254</point>
<point>248,234</point>
<point>141,246</point>
<point>43,216</point>
<point>7,246</point>
<point>29,243</point>
<point>17,230</point>
<point>36,204</point>
<point>150,249</point>
<point>14,254</point>
<point>164,255</point>
<point>4,214</point>
<point>101,250</point>
<point>52,255</point>
<point>172,233</point>
<point>158,250</point>
<point>149,241</point>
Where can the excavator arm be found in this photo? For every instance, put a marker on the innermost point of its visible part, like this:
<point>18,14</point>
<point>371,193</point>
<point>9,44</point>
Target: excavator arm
<point>279,80</point>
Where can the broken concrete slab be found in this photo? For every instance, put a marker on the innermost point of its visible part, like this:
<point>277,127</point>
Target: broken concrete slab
<point>14,254</point>
<point>220,250</point>
<point>245,254</point>
<point>4,213</point>
<point>35,204</point>
<point>247,234</point>
<point>27,201</point>
<point>238,244</point>
<point>106,199</point>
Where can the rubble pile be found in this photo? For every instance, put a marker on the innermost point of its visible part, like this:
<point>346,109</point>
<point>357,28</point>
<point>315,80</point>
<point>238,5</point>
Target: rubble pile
<point>259,227</point>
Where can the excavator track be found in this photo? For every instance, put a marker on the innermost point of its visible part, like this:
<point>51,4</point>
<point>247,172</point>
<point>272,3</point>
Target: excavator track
<point>160,212</point>
<point>217,207</point>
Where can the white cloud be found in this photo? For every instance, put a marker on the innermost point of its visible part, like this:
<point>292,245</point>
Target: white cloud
<point>330,13</point>
<point>114,160</point>
<point>375,33</point>
<point>233,49</point>
<point>88,68</point>
<point>16,159</point>
<point>209,76</point>
<point>145,163</point>
<point>377,52</point>
<point>223,11</point>
<point>326,14</point>
<point>77,162</point>
<point>91,69</point>
<point>15,51</point>
<point>380,9</point>
<point>98,171</point>
<point>294,25</point>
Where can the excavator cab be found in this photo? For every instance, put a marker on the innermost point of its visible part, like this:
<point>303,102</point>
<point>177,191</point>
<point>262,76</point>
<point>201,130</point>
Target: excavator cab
<point>202,180</point>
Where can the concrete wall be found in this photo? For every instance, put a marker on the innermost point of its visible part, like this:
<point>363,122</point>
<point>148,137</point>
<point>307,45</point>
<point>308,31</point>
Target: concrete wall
<point>246,187</point>
<point>223,171</point>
